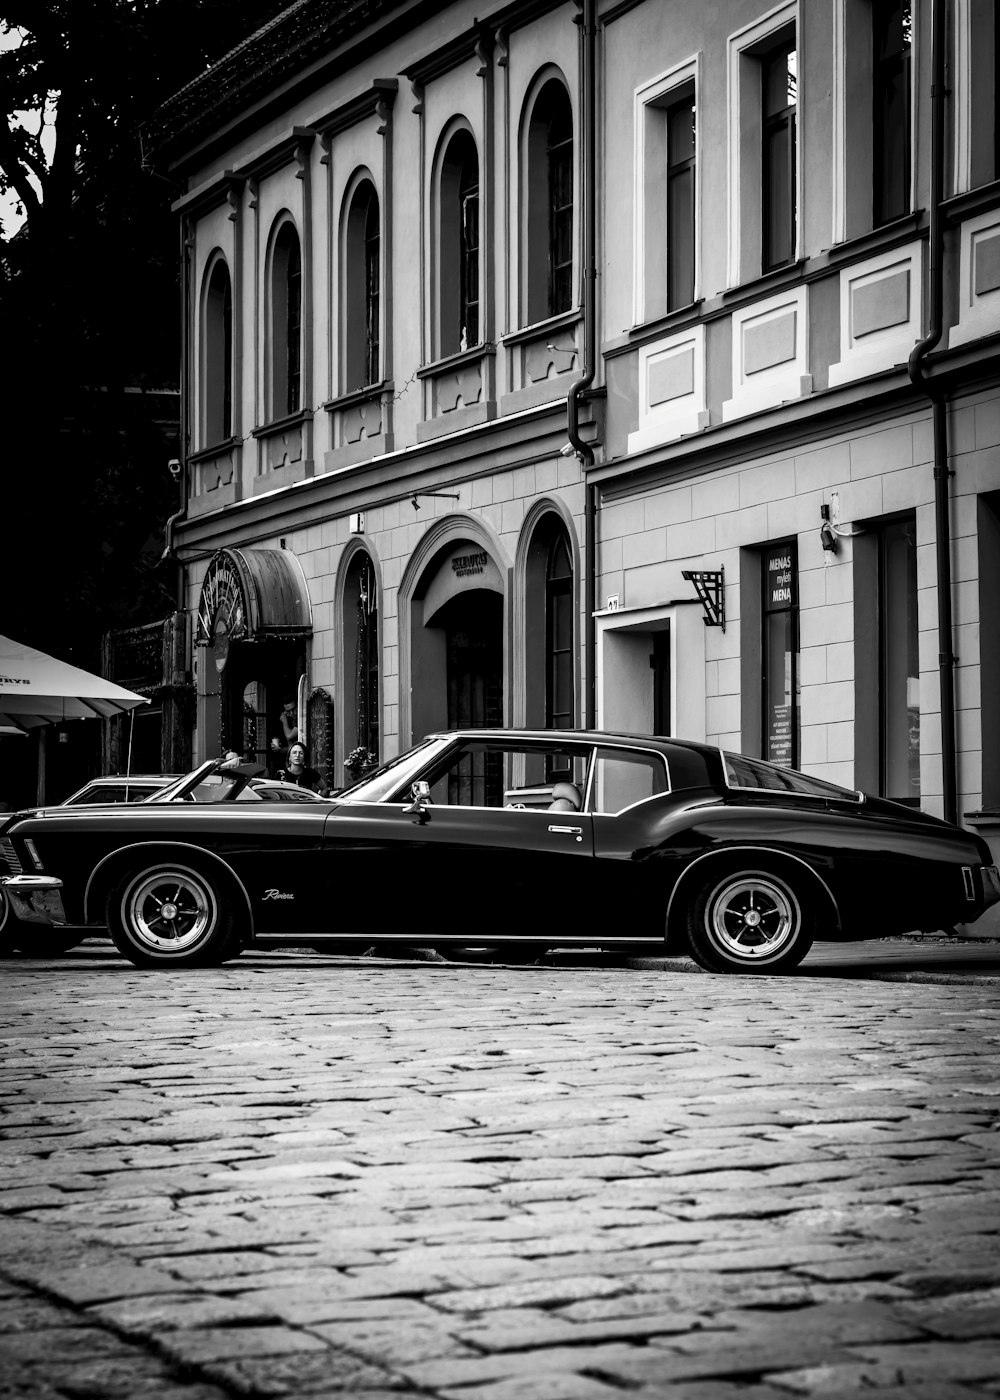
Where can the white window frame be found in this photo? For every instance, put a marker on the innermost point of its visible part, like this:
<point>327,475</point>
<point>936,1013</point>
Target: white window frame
<point>657,93</point>
<point>754,36</point>
<point>843,228</point>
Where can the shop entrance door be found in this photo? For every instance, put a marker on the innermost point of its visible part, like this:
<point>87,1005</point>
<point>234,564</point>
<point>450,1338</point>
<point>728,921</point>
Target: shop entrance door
<point>473,624</point>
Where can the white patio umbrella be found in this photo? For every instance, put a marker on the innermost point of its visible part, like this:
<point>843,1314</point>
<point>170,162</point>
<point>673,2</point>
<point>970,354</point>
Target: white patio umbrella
<point>36,689</point>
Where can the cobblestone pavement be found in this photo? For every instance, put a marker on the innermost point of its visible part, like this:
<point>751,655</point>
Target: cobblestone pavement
<point>308,1177</point>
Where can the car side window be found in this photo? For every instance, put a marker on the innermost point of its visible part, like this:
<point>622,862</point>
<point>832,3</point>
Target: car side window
<point>623,778</point>
<point>484,773</point>
<point>742,772</point>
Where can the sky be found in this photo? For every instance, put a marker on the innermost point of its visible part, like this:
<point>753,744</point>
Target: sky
<point>10,218</point>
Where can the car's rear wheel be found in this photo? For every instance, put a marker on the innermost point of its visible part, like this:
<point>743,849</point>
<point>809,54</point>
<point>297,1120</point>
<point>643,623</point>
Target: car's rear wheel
<point>745,919</point>
<point>172,914</point>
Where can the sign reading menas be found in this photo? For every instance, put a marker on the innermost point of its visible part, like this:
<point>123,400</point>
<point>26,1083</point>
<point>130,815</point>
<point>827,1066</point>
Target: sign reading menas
<point>780,590</point>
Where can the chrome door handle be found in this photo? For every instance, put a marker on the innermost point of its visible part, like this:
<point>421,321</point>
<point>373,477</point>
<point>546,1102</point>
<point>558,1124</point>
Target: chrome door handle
<point>576,831</point>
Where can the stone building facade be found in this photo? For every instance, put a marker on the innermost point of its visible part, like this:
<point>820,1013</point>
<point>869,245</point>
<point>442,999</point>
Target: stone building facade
<point>602,362</point>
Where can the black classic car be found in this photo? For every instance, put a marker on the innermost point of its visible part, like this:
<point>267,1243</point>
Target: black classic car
<point>518,839</point>
<point>100,792</point>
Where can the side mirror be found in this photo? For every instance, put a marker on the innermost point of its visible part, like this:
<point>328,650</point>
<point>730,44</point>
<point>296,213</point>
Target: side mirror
<point>420,791</point>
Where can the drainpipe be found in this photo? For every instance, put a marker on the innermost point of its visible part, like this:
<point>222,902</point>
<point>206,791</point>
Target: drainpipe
<point>583,450</point>
<point>179,469</point>
<point>939,411</point>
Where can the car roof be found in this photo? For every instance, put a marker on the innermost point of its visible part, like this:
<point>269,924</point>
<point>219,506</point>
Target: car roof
<point>663,742</point>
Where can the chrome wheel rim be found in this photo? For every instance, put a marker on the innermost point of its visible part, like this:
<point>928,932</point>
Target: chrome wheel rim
<point>753,918</point>
<point>170,910</point>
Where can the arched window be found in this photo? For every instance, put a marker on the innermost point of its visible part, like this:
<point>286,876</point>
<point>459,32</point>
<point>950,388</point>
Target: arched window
<point>217,357</point>
<point>549,610</point>
<point>559,706</point>
<point>549,201</point>
<point>286,323</point>
<point>362,288</point>
<point>458,246</point>
<point>361,659</point>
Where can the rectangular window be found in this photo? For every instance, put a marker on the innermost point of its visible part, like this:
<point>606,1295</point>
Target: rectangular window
<point>680,202</point>
<point>892,29</point>
<point>899,662</point>
<point>779,82</point>
<point>779,650</point>
<point>666,181</point>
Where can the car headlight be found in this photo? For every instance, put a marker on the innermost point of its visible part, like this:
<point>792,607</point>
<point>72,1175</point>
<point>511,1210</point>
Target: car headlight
<point>32,850</point>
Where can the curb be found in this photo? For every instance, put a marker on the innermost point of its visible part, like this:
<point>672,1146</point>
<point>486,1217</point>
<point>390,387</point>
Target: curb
<point>859,973</point>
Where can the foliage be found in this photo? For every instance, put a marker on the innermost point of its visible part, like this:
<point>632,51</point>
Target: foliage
<point>89,307</point>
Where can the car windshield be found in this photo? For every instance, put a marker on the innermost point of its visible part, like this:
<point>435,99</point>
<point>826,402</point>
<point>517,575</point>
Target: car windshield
<point>397,774</point>
<point>211,782</point>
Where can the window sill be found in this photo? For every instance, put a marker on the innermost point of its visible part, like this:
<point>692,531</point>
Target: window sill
<point>281,425</point>
<point>471,356</point>
<point>778,277</point>
<point>539,328</point>
<point>877,239</point>
<point>370,391</point>
<point>978,201</point>
<point>205,454</point>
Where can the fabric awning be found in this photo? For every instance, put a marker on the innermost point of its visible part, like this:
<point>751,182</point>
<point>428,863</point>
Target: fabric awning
<point>36,689</point>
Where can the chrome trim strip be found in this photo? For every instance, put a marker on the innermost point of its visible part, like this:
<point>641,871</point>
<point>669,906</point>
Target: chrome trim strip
<point>182,845</point>
<point>970,884</point>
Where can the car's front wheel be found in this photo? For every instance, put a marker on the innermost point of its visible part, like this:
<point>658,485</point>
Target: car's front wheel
<point>749,920</point>
<point>172,914</point>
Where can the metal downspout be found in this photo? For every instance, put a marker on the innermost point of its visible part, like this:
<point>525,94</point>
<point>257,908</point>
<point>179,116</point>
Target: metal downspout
<point>939,410</point>
<point>584,451</point>
<point>169,552</point>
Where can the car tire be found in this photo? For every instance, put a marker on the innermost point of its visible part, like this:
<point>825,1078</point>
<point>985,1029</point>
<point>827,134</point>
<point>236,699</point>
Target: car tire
<point>173,914</point>
<point>747,919</point>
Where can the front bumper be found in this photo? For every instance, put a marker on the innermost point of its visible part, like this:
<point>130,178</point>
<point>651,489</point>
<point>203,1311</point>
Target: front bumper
<point>36,899</point>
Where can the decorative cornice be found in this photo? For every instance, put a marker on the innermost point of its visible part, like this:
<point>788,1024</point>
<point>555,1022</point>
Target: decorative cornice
<point>375,101</point>
<point>292,147</point>
<point>225,188</point>
<point>476,43</point>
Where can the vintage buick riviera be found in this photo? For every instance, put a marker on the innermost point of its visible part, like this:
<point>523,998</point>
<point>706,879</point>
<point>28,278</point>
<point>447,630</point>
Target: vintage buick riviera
<point>551,839</point>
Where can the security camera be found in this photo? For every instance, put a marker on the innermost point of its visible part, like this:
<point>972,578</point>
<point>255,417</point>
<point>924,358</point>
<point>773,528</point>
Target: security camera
<point>174,468</point>
<point>568,450</point>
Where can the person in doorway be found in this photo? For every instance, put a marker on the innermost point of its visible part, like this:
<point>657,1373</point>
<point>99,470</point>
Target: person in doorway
<point>289,719</point>
<point>297,771</point>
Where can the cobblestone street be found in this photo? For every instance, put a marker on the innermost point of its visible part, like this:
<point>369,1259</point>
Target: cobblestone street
<point>299,1176</point>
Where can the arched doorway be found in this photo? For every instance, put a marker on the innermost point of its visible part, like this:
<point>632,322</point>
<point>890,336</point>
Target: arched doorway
<point>456,641</point>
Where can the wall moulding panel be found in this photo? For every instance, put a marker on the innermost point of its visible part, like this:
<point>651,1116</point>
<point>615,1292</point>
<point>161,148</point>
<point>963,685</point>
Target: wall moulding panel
<point>770,353</point>
<point>978,279</point>
<point>881,313</point>
<point>671,389</point>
